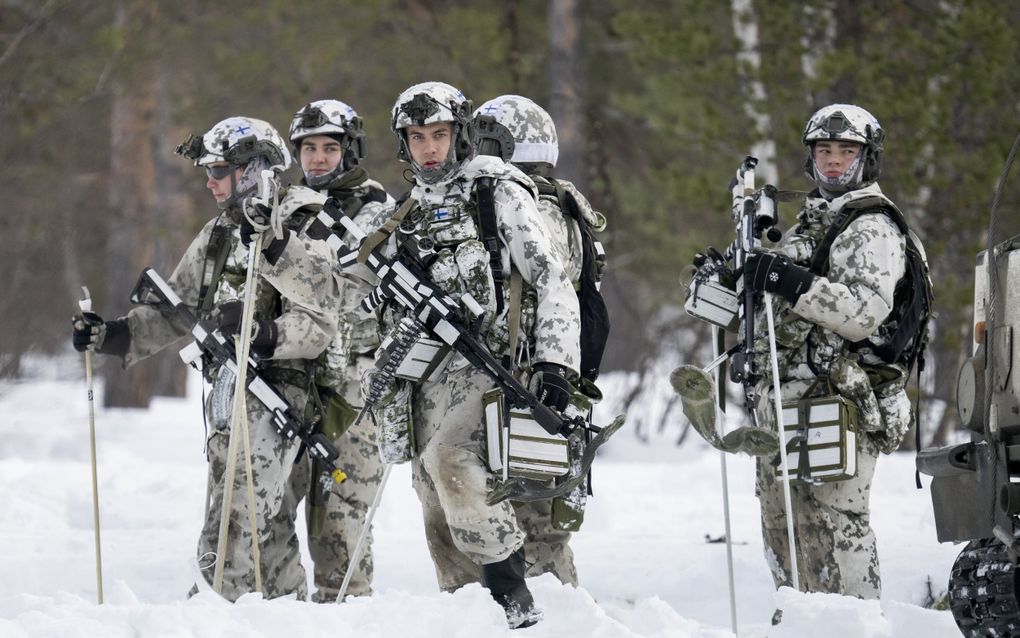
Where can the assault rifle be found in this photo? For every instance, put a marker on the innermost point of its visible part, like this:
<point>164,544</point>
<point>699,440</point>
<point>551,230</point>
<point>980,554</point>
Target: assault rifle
<point>753,213</point>
<point>405,281</point>
<point>214,349</point>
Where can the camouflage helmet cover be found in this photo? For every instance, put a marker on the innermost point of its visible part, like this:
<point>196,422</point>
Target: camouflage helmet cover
<point>533,130</point>
<point>335,119</point>
<point>237,140</point>
<point>428,103</point>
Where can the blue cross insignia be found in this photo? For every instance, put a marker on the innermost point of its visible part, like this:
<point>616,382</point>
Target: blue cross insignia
<point>440,214</point>
<point>241,130</point>
<point>492,109</point>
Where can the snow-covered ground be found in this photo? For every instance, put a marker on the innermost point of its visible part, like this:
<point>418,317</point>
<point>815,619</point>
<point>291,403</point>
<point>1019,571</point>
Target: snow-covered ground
<point>645,565</point>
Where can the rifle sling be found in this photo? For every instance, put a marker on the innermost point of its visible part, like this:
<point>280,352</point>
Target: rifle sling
<point>379,236</point>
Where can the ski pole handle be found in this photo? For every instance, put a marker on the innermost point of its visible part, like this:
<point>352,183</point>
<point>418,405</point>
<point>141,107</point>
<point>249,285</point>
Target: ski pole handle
<point>85,303</point>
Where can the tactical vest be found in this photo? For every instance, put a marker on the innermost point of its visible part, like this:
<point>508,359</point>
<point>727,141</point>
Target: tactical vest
<point>460,249</point>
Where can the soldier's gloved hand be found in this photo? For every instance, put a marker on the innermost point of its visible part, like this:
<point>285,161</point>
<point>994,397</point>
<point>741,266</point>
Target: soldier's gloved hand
<point>550,385</point>
<point>90,332</point>
<point>264,331</point>
<point>771,272</point>
<point>254,221</point>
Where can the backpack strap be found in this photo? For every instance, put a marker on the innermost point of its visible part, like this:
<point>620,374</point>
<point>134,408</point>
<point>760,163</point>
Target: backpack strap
<point>215,258</point>
<point>485,192</point>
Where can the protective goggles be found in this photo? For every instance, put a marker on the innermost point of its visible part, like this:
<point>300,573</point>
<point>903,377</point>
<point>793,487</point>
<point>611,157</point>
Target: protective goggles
<point>220,171</point>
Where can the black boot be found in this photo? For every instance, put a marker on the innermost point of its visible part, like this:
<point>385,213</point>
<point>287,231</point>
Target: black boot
<point>505,581</point>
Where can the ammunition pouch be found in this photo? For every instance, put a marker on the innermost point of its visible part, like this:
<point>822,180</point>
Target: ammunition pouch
<point>337,415</point>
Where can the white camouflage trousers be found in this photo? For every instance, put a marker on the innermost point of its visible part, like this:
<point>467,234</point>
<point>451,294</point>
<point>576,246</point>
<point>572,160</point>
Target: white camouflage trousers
<point>345,515</point>
<point>546,549</point>
<point>276,501</point>
<point>452,478</point>
<point>836,549</point>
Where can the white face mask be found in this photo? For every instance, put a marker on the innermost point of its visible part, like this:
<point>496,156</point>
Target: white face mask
<point>848,180</point>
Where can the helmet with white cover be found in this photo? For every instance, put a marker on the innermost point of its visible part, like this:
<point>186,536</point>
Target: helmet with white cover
<point>531,131</point>
<point>334,119</point>
<point>428,103</point>
<point>241,142</point>
<point>848,123</point>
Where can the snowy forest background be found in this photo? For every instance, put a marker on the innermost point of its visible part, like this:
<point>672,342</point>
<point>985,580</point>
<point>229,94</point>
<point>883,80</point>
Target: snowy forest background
<point>656,104</point>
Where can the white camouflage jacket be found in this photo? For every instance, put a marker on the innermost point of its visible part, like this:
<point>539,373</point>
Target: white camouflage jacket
<point>303,278</point>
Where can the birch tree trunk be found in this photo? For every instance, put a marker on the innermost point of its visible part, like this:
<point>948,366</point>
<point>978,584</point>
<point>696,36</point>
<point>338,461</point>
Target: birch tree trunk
<point>566,88</point>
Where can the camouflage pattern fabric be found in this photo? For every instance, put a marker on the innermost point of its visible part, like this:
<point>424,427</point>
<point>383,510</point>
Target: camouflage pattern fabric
<point>340,369</point>
<point>346,510</point>
<point>451,476</point>
<point>546,549</point>
<point>564,233</point>
<point>836,550</point>
<point>444,218</point>
<point>837,546</point>
<point>273,460</point>
<point>305,282</point>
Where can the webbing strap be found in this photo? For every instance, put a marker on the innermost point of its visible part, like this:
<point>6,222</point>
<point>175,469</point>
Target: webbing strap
<point>486,193</point>
<point>215,258</point>
<point>379,236</point>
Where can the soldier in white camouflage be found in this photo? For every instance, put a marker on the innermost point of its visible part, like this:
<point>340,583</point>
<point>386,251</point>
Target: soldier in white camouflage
<point>296,315</point>
<point>523,133</point>
<point>832,327</point>
<point>328,140</point>
<point>432,122</point>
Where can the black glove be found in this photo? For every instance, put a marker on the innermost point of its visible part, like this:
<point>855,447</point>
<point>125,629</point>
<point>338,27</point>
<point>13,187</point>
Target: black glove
<point>550,385</point>
<point>229,317</point>
<point>249,229</point>
<point>264,332</point>
<point>254,221</point>
<point>90,332</point>
<point>769,272</point>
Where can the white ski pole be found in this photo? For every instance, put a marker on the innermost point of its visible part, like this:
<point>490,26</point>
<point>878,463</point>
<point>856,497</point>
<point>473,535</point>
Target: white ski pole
<point>352,560</point>
<point>720,384</point>
<point>239,421</point>
<point>85,304</point>
<point>782,441</point>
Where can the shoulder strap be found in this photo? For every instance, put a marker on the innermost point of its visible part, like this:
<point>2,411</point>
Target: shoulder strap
<point>485,191</point>
<point>215,257</point>
<point>380,235</point>
<point>820,260</point>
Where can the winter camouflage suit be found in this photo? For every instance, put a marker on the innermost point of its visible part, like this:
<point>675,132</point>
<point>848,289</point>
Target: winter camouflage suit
<point>450,473</point>
<point>302,283</point>
<point>546,547</point>
<point>836,546</point>
<point>339,372</point>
